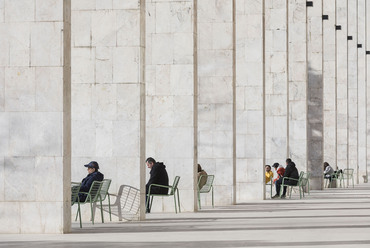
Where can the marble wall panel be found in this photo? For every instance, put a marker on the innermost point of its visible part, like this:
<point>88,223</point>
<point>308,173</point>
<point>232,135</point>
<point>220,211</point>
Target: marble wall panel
<point>342,75</point>
<point>2,89</point>
<point>49,10</point>
<point>361,33</point>
<point>315,94</point>
<point>11,218</point>
<point>367,61</point>
<point>215,71</point>
<point>352,88</point>
<point>49,88</point>
<point>276,69</point>
<point>329,82</point>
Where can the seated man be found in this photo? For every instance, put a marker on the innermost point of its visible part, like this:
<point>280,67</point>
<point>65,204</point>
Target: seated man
<point>291,172</point>
<point>158,175</point>
<point>94,175</point>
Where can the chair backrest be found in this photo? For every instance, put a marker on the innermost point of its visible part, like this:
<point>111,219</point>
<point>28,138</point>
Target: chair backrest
<point>130,200</point>
<point>75,188</point>
<point>303,178</point>
<point>347,173</point>
<point>209,184</point>
<point>174,185</point>
<point>95,191</point>
<point>104,188</point>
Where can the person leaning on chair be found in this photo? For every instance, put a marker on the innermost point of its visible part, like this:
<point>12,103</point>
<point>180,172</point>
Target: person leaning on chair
<point>291,172</point>
<point>203,180</point>
<point>94,175</point>
<point>158,175</point>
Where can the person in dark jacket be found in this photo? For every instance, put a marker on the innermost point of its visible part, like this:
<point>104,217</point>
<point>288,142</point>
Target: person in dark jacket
<point>291,172</point>
<point>94,175</point>
<point>158,175</point>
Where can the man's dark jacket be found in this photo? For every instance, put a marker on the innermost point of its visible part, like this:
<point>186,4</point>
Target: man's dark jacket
<point>158,175</point>
<point>292,172</point>
<point>87,182</point>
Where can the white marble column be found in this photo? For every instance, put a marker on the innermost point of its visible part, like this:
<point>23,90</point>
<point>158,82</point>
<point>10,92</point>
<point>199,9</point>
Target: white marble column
<point>215,102</point>
<point>249,100</point>
<point>329,82</point>
<point>341,82</point>
<point>107,91</point>
<point>361,56</point>
<point>35,116</point>
<point>367,75</point>
<point>315,93</point>
<point>297,70</point>
<point>352,88</point>
<point>276,81</point>
<point>170,89</point>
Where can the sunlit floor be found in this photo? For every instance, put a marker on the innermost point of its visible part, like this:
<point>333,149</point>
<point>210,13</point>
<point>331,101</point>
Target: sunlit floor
<point>328,218</point>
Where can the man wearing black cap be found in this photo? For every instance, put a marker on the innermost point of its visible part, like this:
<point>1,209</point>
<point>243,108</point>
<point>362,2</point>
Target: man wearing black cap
<point>94,175</point>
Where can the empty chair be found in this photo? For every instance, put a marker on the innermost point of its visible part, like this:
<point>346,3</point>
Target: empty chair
<point>206,188</point>
<point>347,175</point>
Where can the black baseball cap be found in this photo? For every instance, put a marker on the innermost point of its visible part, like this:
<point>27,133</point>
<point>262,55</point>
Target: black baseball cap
<point>92,164</point>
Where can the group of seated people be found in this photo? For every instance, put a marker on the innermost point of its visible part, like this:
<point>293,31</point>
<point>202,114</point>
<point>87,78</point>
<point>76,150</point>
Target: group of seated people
<point>158,175</point>
<point>290,173</point>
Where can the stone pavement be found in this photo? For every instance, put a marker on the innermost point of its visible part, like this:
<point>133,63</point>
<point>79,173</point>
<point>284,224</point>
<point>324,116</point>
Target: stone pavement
<point>328,218</point>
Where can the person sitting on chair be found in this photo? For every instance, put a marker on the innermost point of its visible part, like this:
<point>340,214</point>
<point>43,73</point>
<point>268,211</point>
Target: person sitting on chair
<point>158,175</point>
<point>203,180</point>
<point>94,175</point>
<point>328,171</point>
<point>279,171</point>
<point>291,172</point>
<point>268,174</point>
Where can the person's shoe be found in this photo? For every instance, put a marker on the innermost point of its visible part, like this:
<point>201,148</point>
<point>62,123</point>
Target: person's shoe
<point>275,196</point>
<point>283,197</point>
<point>147,211</point>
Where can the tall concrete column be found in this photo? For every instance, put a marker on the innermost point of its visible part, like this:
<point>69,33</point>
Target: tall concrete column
<point>297,69</point>
<point>361,56</point>
<point>352,87</point>
<point>329,82</point>
<point>276,81</point>
<point>171,89</point>
<point>249,100</point>
<point>215,102</point>
<point>341,82</point>
<point>35,113</point>
<point>315,93</point>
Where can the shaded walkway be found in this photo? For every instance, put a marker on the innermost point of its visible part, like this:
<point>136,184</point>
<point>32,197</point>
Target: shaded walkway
<point>329,218</point>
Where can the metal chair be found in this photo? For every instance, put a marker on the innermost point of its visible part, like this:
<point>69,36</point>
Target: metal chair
<point>173,191</point>
<point>104,194</point>
<point>348,175</point>
<point>206,187</point>
<point>93,196</point>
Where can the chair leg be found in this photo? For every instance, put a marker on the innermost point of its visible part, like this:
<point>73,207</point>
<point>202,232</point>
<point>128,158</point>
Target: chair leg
<point>174,198</point>
<point>200,207</point>
<point>213,205</point>
<point>101,211</point>
<point>92,213</point>
<point>79,213</point>
<point>178,200</point>
<point>151,203</point>
<point>110,213</point>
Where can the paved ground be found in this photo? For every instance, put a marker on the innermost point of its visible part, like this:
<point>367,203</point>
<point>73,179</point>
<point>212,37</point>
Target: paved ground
<point>330,218</point>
